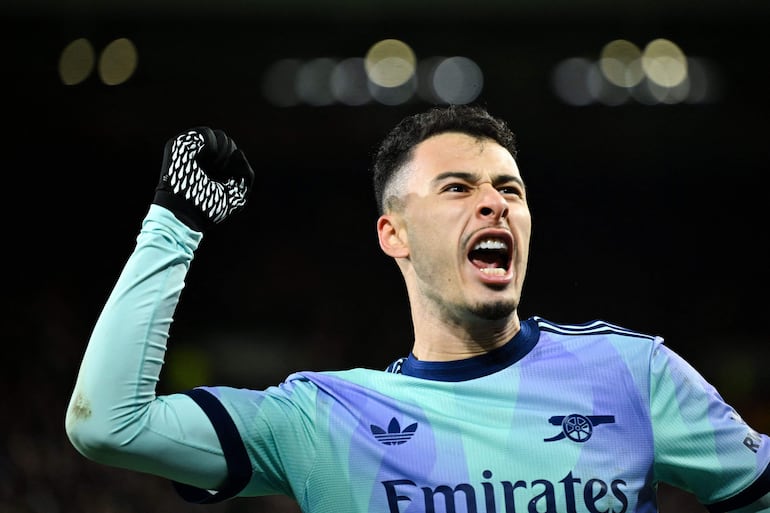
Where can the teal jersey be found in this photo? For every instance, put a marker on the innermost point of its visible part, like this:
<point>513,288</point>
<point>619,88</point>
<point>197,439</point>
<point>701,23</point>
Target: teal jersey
<point>567,419</point>
<point>571,419</point>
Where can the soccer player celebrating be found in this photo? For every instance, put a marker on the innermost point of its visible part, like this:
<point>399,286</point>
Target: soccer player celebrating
<point>488,413</point>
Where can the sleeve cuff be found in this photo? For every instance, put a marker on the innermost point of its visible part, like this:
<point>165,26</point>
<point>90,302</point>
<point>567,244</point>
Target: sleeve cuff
<point>238,463</point>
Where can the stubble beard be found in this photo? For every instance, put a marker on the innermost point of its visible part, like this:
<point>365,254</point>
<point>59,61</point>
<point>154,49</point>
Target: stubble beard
<point>494,310</point>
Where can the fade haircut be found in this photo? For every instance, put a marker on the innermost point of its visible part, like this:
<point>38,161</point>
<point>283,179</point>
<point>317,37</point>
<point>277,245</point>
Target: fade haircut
<point>398,145</point>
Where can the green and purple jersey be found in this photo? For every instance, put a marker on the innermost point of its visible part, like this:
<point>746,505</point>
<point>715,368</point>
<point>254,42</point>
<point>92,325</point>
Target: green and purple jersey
<point>561,419</point>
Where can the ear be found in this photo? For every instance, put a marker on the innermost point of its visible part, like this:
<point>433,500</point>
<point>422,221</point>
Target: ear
<point>392,237</point>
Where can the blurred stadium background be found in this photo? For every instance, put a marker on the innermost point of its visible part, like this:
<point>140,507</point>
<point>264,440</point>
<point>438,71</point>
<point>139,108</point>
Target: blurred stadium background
<point>643,138</point>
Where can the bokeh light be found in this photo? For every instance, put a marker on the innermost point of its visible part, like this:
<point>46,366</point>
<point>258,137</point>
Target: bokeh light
<point>569,81</point>
<point>76,61</point>
<point>457,80</point>
<point>349,82</point>
<point>622,73</point>
<point>664,63</point>
<point>394,95</point>
<point>390,63</point>
<point>621,63</point>
<point>278,82</point>
<point>389,74</point>
<point>313,81</point>
<point>118,61</point>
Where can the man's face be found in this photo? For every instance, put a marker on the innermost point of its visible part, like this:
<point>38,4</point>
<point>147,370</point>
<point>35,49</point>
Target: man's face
<point>465,227</point>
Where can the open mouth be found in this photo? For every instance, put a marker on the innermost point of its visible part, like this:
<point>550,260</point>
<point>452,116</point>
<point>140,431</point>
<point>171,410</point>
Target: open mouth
<point>491,255</point>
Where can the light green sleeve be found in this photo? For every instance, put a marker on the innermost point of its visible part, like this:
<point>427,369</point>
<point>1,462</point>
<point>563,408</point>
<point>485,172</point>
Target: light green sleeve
<point>114,416</point>
<point>701,443</point>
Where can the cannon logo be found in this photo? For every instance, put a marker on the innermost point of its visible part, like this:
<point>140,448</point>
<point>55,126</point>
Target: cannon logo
<point>577,428</point>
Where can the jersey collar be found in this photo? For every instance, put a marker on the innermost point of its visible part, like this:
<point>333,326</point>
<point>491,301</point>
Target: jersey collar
<point>483,365</point>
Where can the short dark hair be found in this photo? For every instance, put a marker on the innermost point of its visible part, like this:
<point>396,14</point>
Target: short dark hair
<point>397,146</point>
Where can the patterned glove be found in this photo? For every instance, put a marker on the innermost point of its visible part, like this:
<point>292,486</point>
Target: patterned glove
<point>204,179</point>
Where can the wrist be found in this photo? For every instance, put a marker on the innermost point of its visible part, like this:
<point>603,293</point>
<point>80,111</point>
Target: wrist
<point>182,209</point>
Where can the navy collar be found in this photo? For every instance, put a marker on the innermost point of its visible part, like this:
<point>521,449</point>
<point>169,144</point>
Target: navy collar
<point>483,365</point>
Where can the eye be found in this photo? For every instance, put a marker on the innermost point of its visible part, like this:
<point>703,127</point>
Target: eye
<point>456,187</point>
<point>511,190</point>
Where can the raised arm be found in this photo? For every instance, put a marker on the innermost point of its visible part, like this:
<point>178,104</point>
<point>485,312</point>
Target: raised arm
<point>114,416</point>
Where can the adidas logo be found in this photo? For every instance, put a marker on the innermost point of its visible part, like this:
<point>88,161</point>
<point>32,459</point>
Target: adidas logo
<point>394,435</point>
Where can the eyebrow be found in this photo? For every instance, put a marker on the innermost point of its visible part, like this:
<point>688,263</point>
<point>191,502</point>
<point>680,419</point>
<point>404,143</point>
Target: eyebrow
<point>474,177</point>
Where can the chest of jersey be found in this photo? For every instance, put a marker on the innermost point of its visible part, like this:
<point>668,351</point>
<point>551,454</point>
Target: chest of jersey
<point>508,442</point>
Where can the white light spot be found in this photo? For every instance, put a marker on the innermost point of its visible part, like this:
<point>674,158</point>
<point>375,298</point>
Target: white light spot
<point>458,80</point>
<point>394,95</point>
<point>569,81</point>
<point>313,81</point>
<point>349,82</point>
<point>705,81</point>
<point>602,90</point>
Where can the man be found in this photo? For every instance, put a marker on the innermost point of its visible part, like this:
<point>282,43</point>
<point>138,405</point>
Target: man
<point>487,414</point>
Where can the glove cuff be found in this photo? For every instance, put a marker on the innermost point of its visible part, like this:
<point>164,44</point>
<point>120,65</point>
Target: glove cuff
<point>183,210</point>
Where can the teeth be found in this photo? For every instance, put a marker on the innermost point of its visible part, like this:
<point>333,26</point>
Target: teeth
<point>491,244</point>
<point>495,271</point>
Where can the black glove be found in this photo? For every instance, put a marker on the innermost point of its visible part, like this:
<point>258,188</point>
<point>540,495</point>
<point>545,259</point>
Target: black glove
<point>204,179</point>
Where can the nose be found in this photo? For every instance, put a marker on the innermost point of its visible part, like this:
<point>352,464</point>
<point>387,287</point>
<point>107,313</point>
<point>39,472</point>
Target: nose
<point>492,204</point>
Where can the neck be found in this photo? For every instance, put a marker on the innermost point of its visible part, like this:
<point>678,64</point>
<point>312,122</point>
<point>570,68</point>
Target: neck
<point>438,339</point>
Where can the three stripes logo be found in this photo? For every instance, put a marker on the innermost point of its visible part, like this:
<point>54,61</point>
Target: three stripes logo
<point>394,434</point>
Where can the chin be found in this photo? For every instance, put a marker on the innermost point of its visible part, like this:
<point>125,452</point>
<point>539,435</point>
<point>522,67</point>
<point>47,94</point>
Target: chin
<point>494,311</point>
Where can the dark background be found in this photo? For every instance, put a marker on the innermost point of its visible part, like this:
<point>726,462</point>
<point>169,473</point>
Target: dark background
<point>649,216</point>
